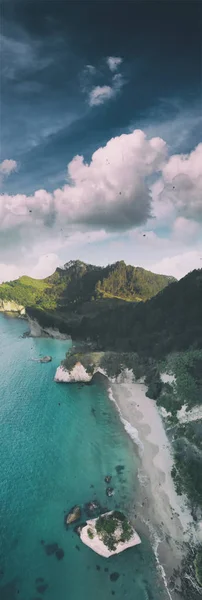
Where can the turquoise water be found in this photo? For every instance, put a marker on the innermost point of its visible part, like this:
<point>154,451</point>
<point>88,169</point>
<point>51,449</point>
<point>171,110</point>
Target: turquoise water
<point>57,444</point>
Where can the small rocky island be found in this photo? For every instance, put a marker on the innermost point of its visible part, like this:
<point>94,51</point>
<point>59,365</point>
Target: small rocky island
<point>45,359</point>
<point>109,534</point>
<point>73,515</point>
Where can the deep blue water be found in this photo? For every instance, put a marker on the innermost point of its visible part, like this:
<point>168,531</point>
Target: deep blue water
<point>57,444</point>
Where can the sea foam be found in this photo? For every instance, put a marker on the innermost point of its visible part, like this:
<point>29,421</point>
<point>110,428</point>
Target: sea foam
<point>131,430</point>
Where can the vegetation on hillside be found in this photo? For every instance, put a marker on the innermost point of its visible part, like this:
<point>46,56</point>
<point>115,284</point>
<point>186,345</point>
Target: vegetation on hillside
<point>132,283</point>
<point>154,328</point>
<point>78,283</point>
<point>25,290</point>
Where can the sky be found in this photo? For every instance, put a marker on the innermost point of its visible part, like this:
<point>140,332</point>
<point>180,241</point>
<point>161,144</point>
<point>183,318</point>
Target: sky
<point>101,135</point>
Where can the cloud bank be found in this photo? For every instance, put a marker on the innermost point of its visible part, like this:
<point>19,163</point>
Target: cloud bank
<point>114,191</point>
<point>129,184</point>
<point>111,192</point>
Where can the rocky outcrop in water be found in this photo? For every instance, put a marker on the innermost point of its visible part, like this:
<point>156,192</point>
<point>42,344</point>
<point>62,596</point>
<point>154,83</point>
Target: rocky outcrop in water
<point>45,359</point>
<point>73,515</point>
<point>95,534</point>
<point>77,374</point>
<point>110,491</point>
<point>108,478</point>
<point>36,330</point>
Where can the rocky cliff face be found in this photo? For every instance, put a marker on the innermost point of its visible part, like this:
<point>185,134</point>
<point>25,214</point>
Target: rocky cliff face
<point>11,306</point>
<point>77,374</point>
<point>37,330</point>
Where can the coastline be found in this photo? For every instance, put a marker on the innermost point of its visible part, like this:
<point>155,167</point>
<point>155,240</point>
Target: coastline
<point>159,513</point>
<point>158,509</point>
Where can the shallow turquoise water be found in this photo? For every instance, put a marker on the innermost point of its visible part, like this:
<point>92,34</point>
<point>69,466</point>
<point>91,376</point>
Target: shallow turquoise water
<point>57,444</point>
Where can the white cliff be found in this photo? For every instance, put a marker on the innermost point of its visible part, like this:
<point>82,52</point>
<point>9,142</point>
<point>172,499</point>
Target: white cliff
<point>11,306</point>
<point>78,373</point>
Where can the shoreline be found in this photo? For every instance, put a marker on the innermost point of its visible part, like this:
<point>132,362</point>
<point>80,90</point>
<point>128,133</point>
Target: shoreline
<point>158,509</point>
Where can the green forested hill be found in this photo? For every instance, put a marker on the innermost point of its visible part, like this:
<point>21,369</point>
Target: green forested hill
<point>172,320</point>
<point>78,282</point>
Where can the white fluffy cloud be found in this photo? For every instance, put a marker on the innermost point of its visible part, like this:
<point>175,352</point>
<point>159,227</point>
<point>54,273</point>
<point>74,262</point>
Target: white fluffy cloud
<point>114,192</point>
<point>180,186</point>
<point>7,167</point>
<point>179,264</point>
<point>111,192</point>
<point>8,272</point>
<point>99,94</point>
<point>46,264</point>
<point>114,62</point>
<point>186,229</point>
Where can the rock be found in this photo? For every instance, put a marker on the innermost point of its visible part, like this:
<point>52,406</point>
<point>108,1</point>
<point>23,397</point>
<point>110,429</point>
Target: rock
<point>108,478</point>
<point>42,588</point>
<point>11,307</point>
<point>110,491</point>
<point>78,528</point>
<point>73,515</point>
<point>119,469</point>
<point>114,576</point>
<point>51,548</point>
<point>91,507</point>
<point>45,359</point>
<point>59,553</point>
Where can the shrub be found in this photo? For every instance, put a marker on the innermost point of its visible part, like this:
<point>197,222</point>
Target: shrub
<point>90,533</point>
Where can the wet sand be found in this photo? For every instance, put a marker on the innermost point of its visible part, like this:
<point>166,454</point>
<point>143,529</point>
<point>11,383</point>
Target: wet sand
<point>158,508</point>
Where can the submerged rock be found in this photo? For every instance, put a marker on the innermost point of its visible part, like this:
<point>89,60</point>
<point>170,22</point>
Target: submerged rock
<point>108,478</point>
<point>45,359</point>
<point>119,469</point>
<point>114,576</point>
<point>51,548</point>
<point>59,553</point>
<point>110,491</point>
<point>73,515</point>
<point>91,507</point>
<point>42,588</point>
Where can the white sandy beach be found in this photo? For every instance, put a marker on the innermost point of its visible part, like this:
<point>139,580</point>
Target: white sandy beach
<point>158,505</point>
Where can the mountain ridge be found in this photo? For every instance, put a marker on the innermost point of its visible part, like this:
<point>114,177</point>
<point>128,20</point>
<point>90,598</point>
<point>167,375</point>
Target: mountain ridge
<point>79,282</point>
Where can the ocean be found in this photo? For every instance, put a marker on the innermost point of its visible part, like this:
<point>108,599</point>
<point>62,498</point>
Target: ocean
<point>58,442</point>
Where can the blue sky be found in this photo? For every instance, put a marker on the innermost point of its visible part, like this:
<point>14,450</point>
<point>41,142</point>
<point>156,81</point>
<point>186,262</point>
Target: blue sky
<point>76,78</point>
